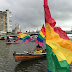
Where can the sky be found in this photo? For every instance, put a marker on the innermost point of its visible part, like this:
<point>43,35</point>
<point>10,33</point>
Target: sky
<point>29,14</point>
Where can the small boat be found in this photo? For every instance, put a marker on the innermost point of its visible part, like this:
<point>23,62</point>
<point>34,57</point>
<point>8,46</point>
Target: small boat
<point>12,42</point>
<point>28,56</point>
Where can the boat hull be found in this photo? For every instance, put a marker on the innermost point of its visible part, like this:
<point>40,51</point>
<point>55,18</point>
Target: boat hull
<point>11,42</point>
<point>28,57</point>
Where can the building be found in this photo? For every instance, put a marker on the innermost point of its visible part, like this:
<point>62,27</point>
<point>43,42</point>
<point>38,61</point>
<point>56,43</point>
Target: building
<point>17,28</point>
<point>5,21</point>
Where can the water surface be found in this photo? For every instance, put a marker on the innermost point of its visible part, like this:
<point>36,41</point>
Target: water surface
<point>8,64</point>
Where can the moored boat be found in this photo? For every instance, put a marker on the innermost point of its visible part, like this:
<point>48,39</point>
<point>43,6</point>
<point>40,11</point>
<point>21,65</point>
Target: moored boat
<point>12,42</point>
<point>28,56</point>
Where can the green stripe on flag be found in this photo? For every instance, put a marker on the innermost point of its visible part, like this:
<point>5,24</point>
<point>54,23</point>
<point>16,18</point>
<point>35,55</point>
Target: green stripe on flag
<point>40,37</point>
<point>24,37</point>
<point>53,64</point>
<point>18,37</point>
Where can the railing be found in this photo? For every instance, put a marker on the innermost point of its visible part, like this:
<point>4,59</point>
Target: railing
<point>70,67</point>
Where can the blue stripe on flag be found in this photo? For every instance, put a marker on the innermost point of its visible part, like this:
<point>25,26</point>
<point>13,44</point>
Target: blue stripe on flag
<point>39,39</point>
<point>49,71</point>
<point>26,38</point>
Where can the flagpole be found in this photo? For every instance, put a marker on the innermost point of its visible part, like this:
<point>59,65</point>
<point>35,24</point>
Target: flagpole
<point>33,47</point>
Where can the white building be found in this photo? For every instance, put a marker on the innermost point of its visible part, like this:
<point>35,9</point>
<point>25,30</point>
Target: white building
<point>5,21</point>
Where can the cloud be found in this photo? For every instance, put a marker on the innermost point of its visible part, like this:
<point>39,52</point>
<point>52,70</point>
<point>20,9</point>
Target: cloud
<point>61,11</point>
<point>27,13</point>
<point>4,5</point>
<point>30,13</point>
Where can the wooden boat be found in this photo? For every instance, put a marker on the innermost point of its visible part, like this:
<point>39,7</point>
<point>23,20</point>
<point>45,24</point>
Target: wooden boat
<point>28,56</point>
<point>12,42</point>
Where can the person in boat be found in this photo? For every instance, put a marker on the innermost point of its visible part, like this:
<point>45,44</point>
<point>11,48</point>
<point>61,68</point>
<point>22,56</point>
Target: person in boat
<point>15,39</point>
<point>8,40</point>
<point>40,49</point>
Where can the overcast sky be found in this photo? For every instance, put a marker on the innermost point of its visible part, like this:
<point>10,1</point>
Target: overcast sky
<point>30,13</point>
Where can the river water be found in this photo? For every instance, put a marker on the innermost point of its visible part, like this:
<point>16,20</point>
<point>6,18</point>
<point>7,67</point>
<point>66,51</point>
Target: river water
<point>8,64</point>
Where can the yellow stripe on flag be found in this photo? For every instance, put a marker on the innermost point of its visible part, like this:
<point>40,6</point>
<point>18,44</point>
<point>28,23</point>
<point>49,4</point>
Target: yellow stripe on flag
<point>21,35</point>
<point>53,36</point>
<point>41,34</point>
<point>61,53</point>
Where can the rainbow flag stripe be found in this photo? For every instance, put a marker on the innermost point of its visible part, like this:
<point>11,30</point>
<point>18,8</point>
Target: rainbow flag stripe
<point>25,37</point>
<point>41,36</point>
<point>18,37</point>
<point>58,45</point>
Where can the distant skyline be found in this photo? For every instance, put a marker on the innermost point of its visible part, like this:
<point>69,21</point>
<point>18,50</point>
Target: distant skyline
<point>30,13</point>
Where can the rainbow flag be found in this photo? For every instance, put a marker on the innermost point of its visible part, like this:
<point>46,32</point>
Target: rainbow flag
<point>41,36</point>
<point>11,38</point>
<point>25,37</point>
<point>18,37</point>
<point>5,38</point>
<point>58,45</point>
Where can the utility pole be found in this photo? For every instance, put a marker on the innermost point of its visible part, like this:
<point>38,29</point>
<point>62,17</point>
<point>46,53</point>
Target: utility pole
<point>71,28</point>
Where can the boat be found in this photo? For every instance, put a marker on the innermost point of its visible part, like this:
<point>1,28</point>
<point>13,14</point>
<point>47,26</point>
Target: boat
<point>26,56</point>
<point>12,42</point>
